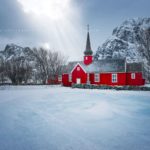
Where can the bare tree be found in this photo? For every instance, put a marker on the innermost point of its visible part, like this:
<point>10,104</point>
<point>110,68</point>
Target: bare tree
<point>10,68</point>
<point>49,64</point>
<point>17,70</point>
<point>41,56</point>
<point>28,72</point>
<point>56,63</point>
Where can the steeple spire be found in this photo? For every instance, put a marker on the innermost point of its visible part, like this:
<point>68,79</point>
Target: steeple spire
<point>88,50</point>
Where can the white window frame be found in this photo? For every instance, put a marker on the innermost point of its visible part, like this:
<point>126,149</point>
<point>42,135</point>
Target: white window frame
<point>60,78</point>
<point>114,78</point>
<point>97,77</point>
<point>70,77</point>
<point>132,75</point>
<point>78,68</point>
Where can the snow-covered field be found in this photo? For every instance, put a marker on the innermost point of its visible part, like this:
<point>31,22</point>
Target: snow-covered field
<point>59,118</point>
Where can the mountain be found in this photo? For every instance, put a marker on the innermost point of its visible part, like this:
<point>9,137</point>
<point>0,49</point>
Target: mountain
<point>16,63</point>
<point>13,51</point>
<point>125,41</point>
<point>128,41</point>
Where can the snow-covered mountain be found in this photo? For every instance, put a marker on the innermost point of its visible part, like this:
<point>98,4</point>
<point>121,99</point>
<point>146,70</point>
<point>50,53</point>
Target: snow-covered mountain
<point>125,41</point>
<point>13,51</point>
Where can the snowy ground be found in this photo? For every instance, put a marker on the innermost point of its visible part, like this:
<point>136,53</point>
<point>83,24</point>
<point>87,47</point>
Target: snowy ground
<point>58,118</point>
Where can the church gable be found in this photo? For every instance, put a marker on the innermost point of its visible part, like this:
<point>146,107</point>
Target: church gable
<point>78,67</point>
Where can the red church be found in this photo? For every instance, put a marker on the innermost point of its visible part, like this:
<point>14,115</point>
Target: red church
<point>111,72</point>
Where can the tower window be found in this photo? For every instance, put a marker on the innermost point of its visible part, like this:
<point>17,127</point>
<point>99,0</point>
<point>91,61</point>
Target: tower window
<point>114,78</point>
<point>78,68</point>
<point>132,75</point>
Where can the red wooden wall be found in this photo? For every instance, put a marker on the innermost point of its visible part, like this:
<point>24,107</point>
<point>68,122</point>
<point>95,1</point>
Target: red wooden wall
<point>88,59</point>
<point>65,80</point>
<point>105,78</point>
<point>137,81</point>
<point>79,74</point>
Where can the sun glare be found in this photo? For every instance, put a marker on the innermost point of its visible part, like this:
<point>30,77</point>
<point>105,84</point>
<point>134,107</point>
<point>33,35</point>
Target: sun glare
<point>54,9</point>
<point>56,24</point>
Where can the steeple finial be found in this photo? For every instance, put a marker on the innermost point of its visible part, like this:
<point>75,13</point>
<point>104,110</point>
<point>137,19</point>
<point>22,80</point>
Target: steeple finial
<point>88,50</point>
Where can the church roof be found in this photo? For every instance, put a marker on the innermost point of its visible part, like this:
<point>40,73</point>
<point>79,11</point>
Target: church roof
<point>106,65</point>
<point>134,67</point>
<point>71,65</point>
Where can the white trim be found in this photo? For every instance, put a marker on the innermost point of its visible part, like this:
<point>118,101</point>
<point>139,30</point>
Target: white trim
<point>76,66</point>
<point>133,76</point>
<point>96,77</point>
<point>114,78</point>
<point>88,78</point>
<point>70,77</point>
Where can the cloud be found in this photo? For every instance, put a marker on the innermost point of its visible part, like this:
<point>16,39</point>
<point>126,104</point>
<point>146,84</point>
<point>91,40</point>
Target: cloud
<point>67,33</point>
<point>29,29</point>
<point>14,24</point>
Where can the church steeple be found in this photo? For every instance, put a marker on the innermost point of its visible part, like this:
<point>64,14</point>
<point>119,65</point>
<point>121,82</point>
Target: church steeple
<point>88,50</point>
<point>88,58</point>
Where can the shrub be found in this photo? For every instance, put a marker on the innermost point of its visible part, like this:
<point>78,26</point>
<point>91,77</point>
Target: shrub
<point>106,87</point>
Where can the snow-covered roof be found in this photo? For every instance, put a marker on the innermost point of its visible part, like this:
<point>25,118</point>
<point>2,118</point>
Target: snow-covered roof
<point>134,67</point>
<point>106,65</point>
<point>71,65</point>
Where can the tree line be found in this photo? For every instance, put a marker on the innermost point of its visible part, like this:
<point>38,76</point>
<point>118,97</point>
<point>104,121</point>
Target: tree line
<point>37,68</point>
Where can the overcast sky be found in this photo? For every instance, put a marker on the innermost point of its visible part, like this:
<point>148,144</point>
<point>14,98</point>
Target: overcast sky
<point>61,24</point>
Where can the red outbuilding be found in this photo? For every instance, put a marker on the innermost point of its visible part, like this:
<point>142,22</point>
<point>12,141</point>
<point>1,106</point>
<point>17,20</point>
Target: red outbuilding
<point>111,72</point>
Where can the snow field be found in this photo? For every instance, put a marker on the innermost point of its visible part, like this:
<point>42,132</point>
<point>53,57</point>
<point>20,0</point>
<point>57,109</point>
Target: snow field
<point>59,118</point>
